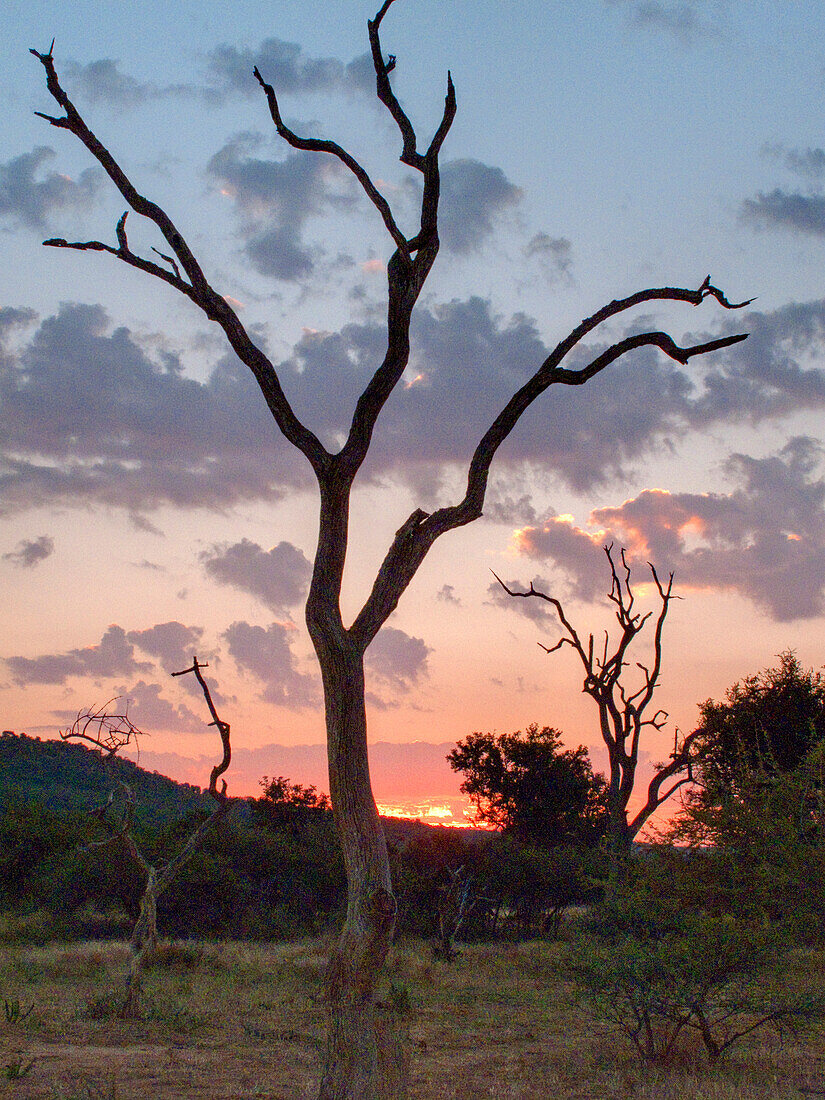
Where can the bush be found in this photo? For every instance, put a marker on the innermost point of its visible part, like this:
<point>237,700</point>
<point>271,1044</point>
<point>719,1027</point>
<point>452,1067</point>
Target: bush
<point>658,974</point>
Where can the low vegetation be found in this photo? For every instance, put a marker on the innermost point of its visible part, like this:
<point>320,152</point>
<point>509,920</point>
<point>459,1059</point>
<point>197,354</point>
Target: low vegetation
<point>247,1020</point>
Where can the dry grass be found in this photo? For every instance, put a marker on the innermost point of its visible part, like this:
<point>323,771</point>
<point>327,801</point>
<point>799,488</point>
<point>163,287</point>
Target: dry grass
<point>246,1020</point>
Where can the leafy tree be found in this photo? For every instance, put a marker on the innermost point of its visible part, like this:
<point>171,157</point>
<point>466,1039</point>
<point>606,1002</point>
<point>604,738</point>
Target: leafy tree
<point>755,821</point>
<point>766,725</point>
<point>289,804</point>
<point>527,785</point>
<point>364,1060</point>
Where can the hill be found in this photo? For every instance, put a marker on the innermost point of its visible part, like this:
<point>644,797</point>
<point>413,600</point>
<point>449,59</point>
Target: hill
<point>68,777</point>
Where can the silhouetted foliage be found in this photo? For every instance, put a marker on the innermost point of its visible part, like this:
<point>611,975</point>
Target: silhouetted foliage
<point>766,725</point>
<point>291,805</point>
<point>528,786</point>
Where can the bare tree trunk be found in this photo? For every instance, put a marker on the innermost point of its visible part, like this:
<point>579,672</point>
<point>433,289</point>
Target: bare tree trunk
<point>144,944</point>
<point>367,1053</point>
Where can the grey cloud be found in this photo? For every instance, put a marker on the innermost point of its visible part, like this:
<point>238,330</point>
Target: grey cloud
<point>688,21</point>
<point>275,199</point>
<point>397,659</point>
<point>787,210</point>
<point>473,197</point>
<point>102,81</point>
<point>31,200</point>
<point>228,73</point>
<point>113,656</point>
<point>764,540</point>
<point>513,512</point>
<point>87,414</point>
<point>808,163</point>
<point>278,577</point>
<point>285,66</point>
<point>446,594</point>
<point>150,711</point>
<point>554,254</point>
<point>30,552</point>
<point>172,643</point>
<point>267,654</point>
<point>279,254</point>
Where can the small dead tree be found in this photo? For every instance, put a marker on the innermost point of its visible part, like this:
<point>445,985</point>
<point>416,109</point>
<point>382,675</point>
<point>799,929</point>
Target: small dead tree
<point>110,732</point>
<point>624,713</point>
<point>364,1059</point>
<point>454,906</point>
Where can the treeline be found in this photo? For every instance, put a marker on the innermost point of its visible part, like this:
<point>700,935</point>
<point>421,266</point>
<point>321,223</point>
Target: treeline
<point>747,843</point>
<point>271,870</point>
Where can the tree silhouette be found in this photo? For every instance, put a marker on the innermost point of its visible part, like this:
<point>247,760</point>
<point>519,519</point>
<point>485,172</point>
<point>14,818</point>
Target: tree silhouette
<point>623,713</point>
<point>527,785</point>
<point>364,1058</point>
<point>110,732</point>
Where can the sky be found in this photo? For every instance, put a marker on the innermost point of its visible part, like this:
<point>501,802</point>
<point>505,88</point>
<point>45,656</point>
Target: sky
<point>150,511</point>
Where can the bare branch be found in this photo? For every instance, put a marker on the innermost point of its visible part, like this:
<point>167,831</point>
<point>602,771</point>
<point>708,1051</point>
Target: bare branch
<point>222,727</point>
<point>317,145</point>
<point>198,289</point>
<point>410,154</point>
<point>103,729</point>
<point>622,712</point>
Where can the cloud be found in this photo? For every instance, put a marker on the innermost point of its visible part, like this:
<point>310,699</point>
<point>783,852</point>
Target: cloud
<point>688,21</point>
<point>275,199</point>
<point>228,74</point>
<point>286,67</point>
<point>150,711</point>
<point>396,659</point>
<point>808,163</point>
<point>473,197</point>
<point>278,577</point>
<point>87,413</point>
<point>267,654</point>
<point>31,552</point>
<point>102,81</point>
<point>446,594</point>
<point>113,656</point>
<point>172,643</point>
<point>787,210</point>
<point>554,255</point>
<point>764,540</point>
<point>91,413</point>
<point>30,200</point>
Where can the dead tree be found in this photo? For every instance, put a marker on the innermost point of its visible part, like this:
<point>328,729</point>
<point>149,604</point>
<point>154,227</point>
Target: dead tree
<point>454,906</point>
<point>622,711</point>
<point>363,1059</point>
<point>110,733</point>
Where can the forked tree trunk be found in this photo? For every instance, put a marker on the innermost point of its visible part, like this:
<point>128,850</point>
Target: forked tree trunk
<point>367,1051</point>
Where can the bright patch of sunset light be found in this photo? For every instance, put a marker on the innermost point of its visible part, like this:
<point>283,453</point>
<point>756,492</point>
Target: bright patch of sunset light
<point>374,267</point>
<point>435,813</point>
<point>792,537</point>
<point>408,385</point>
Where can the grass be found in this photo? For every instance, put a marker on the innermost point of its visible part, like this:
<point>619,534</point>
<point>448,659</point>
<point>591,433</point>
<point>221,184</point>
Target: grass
<point>247,1020</point>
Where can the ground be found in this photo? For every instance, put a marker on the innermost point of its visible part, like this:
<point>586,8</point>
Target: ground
<point>232,1020</point>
